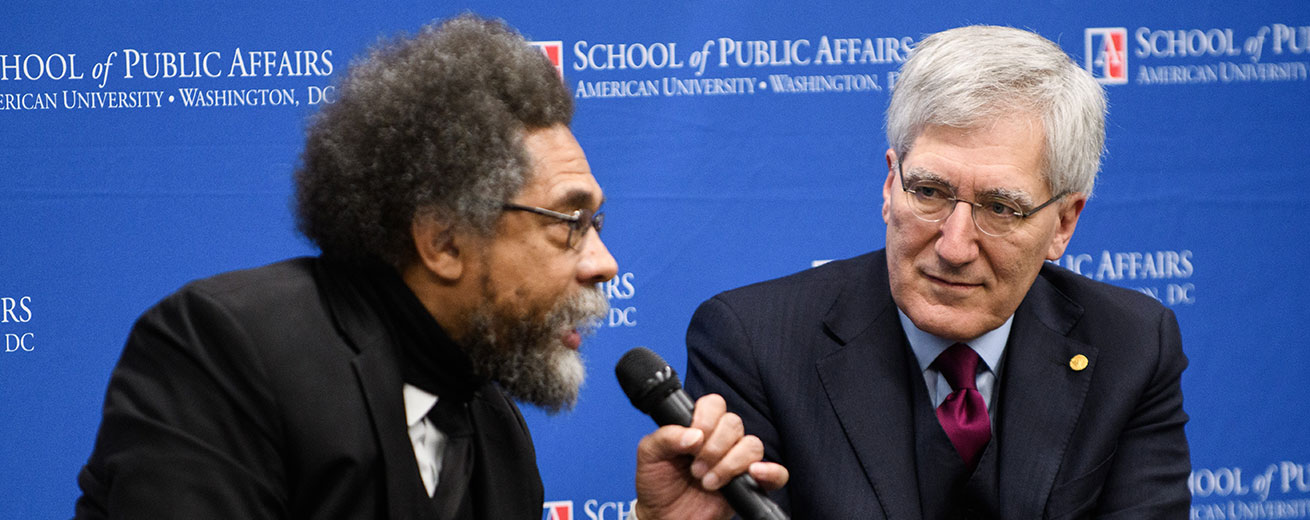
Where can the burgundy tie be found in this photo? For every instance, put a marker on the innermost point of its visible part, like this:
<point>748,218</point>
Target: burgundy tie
<point>963,414</point>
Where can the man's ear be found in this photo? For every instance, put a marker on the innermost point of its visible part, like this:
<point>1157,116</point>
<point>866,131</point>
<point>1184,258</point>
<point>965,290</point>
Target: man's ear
<point>1069,211</point>
<point>438,247</point>
<point>887,186</point>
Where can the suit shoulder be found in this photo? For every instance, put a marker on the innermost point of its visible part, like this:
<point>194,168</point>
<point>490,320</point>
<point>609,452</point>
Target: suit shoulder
<point>282,285</point>
<point>1105,307</point>
<point>815,280</point>
<point>272,278</point>
<point>1095,294</point>
<point>273,301</point>
<point>798,300</point>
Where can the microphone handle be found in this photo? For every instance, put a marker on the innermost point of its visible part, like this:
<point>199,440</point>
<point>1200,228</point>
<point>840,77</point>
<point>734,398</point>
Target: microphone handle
<point>742,492</point>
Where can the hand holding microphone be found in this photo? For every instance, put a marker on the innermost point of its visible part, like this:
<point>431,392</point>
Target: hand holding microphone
<point>699,452</point>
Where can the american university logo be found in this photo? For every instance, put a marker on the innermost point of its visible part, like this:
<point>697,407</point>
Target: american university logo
<point>1106,54</point>
<point>557,510</point>
<point>554,51</point>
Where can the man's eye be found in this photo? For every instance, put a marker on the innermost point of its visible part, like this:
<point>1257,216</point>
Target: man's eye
<point>930,192</point>
<point>1001,208</point>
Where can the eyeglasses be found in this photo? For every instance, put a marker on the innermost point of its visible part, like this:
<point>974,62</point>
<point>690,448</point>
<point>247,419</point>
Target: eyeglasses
<point>933,201</point>
<point>579,221</point>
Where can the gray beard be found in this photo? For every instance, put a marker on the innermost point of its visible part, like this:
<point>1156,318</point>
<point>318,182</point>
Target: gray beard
<point>527,354</point>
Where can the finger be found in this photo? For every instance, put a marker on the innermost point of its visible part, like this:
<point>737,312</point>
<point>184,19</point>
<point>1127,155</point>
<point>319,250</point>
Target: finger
<point>707,412</point>
<point>726,434</point>
<point>736,461</point>
<point>770,475</point>
<point>669,442</point>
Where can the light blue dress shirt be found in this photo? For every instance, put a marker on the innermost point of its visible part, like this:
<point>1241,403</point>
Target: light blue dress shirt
<point>990,347</point>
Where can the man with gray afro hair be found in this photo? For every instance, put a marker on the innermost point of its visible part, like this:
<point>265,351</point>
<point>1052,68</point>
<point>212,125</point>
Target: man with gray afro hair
<point>459,225</point>
<point>429,124</point>
<point>957,373</point>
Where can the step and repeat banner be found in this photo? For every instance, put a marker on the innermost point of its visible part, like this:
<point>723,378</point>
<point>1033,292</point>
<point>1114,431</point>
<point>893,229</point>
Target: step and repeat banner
<point>146,144</point>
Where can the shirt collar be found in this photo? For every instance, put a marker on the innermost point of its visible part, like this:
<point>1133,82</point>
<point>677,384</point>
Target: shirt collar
<point>417,404</point>
<point>927,347</point>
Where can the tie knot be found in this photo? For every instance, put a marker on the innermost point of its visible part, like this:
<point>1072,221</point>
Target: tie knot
<point>959,365</point>
<point>451,417</point>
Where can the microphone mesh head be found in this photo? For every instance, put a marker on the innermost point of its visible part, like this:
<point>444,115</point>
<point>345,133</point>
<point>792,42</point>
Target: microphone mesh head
<point>641,372</point>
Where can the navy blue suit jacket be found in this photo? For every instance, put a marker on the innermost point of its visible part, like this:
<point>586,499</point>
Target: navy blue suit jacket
<point>816,365</point>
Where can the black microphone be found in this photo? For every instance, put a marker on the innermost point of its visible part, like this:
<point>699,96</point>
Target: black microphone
<point>653,387</point>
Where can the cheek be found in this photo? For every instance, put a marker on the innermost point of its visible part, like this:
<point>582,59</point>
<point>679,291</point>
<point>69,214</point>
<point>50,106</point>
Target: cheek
<point>1022,254</point>
<point>904,246</point>
<point>546,281</point>
<point>908,236</point>
<point>895,244</point>
<point>1015,265</point>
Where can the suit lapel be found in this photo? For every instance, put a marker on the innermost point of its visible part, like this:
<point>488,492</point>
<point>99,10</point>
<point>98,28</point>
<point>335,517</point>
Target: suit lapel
<point>377,370</point>
<point>867,385</point>
<point>1041,398</point>
<point>506,480</point>
<point>381,383</point>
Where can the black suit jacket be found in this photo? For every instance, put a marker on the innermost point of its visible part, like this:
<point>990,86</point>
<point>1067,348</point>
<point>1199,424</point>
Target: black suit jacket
<point>816,365</point>
<point>276,393</point>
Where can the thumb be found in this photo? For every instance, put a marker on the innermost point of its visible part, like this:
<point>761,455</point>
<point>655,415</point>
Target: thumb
<point>669,442</point>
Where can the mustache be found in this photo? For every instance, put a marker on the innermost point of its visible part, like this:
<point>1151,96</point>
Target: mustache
<point>584,311</point>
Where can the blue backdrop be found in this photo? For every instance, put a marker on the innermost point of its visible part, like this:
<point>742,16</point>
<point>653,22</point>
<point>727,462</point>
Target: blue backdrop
<point>146,144</point>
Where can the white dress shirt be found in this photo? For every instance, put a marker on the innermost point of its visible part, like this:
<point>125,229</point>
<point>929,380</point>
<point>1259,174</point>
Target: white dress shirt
<point>429,443</point>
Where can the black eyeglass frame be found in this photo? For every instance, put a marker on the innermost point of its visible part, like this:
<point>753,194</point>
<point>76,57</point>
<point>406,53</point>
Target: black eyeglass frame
<point>973,206</point>
<point>580,221</point>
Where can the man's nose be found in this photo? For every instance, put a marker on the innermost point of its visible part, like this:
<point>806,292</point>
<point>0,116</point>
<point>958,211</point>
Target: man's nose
<point>958,243</point>
<point>597,264</point>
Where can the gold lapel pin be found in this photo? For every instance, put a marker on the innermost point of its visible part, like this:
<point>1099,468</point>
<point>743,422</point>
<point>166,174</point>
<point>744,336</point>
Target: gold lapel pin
<point>1078,363</point>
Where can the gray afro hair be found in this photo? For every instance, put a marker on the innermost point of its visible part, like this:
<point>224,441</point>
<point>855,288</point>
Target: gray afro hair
<point>428,126</point>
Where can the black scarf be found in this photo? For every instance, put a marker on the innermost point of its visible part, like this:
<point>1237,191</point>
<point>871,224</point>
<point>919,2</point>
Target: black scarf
<point>430,359</point>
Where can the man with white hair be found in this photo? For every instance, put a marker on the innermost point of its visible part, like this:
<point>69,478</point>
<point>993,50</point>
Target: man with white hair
<point>957,374</point>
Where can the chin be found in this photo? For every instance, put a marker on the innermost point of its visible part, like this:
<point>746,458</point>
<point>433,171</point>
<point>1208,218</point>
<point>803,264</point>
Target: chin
<point>950,322</point>
<point>567,374</point>
<point>946,329</point>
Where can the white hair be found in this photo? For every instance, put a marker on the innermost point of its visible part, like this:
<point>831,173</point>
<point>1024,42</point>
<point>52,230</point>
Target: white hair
<point>970,76</point>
